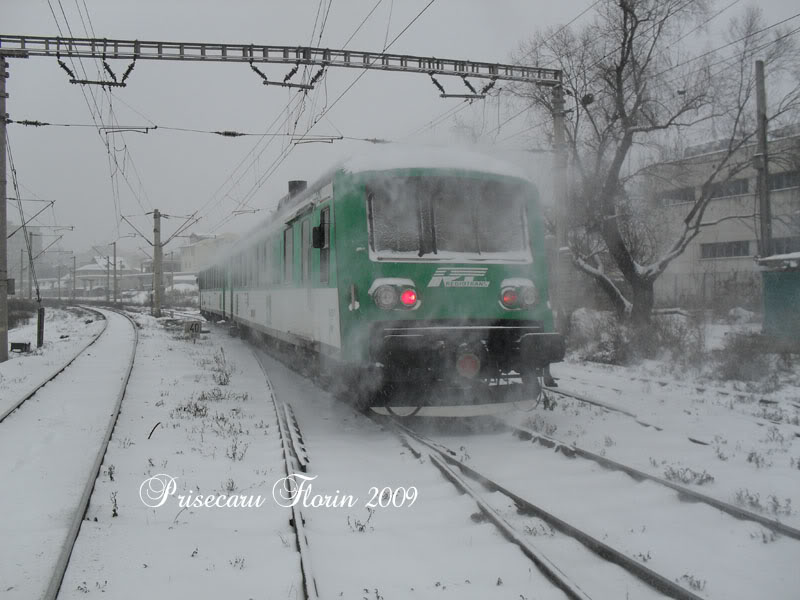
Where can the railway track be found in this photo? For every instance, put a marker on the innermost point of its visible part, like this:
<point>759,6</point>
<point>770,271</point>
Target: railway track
<point>295,460</point>
<point>30,393</point>
<point>761,422</point>
<point>608,406</point>
<point>41,527</point>
<point>459,473</point>
<point>573,450</point>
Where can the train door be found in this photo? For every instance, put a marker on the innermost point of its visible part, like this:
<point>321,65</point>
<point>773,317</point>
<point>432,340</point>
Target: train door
<point>232,280</point>
<point>224,285</point>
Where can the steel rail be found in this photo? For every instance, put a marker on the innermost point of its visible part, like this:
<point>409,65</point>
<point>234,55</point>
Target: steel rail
<point>27,396</point>
<point>761,421</point>
<point>72,534</point>
<point>606,552</point>
<point>545,565</point>
<point>571,450</point>
<point>293,463</point>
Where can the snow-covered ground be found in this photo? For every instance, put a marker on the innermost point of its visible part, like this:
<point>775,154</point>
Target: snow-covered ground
<point>49,448</point>
<point>198,415</point>
<point>65,333</point>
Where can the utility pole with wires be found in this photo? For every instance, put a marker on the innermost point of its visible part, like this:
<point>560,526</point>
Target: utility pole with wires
<point>157,254</point>
<point>74,271</point>
<point>116,283</point>
<point>31,259</point>
<point>3,222</point>
<point>761,163</point>
<point>562,255</point>
<point>21,272</point>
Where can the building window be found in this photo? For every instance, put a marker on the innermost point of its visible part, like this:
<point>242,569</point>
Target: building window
<point>781,181</point>
<point>676,196</point>
<point>733,187</point>
<point>785,245</point>
<point>725,249</point>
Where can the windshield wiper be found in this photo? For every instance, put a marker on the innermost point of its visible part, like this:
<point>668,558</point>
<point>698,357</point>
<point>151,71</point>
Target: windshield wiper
<point>427,243</point>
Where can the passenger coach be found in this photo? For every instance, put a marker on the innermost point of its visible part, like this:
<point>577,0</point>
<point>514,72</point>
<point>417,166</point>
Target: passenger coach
<point>415,279</point>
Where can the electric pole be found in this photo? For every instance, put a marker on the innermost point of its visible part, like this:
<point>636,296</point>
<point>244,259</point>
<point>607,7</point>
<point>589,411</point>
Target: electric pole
<point>73,277</point>
<point>32,250</point>
<point>560,200</point>
<point>761,160</point>
<point>108,277</point>
<point>115,272</point>
<point>156,263</point>
<point>21,271</point>
<point>3,223</point>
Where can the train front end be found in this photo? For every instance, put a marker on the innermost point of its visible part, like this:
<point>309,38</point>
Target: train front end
<point>447,295</point>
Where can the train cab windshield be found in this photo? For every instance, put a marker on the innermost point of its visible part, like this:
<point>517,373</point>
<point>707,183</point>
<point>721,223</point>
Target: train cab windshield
<point>447,218</point>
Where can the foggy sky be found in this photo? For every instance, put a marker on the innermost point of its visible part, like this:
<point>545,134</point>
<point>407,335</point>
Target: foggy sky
<point>180,172</point>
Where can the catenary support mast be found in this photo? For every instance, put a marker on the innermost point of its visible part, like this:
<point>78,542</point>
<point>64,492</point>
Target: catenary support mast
<point>3,223</point>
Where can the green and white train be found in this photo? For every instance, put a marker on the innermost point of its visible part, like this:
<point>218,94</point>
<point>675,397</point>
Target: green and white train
<point>415,279</point>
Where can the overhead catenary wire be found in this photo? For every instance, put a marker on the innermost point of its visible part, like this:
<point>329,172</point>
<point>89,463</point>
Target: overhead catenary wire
<point>31,268</point>
<point>96,114</point>
<point>451,112</point>
<point>274,166</point>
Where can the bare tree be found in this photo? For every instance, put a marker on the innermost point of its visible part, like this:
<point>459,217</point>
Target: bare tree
<point>634,89</point>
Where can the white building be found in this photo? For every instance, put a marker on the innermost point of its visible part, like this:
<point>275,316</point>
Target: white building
<point>718,266</point>
<point>203,249</point>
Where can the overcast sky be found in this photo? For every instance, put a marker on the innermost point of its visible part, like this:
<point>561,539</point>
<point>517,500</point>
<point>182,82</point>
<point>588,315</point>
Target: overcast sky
<point>179,172</point>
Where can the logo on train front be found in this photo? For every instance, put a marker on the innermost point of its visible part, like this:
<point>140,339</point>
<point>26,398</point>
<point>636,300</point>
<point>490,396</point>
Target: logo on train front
<point>459,277</point>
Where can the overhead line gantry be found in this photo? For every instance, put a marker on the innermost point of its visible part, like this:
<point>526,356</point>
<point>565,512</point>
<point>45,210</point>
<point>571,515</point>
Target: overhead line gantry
<point>28,45</point>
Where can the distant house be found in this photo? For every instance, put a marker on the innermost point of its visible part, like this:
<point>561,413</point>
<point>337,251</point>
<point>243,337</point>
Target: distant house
<point>98,275</point>
<point>202,249</point>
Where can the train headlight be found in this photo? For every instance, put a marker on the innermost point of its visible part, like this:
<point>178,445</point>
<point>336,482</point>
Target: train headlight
<point>385,296</point>
<point>529,296</point>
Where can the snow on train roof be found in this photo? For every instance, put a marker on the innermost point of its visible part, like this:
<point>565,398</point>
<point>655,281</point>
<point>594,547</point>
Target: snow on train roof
<point>400,156</point>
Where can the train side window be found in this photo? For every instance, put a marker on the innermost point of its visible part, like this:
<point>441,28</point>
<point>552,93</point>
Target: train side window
<point>288,254</point>
<point>305,248</point>
<point>325,251</point>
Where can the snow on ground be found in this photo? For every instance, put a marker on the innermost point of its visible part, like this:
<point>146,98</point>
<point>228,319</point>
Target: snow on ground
<point>178,419</point>
<point>753,461</point>
<point>49,446</point>
<point>182,419</point>
<point>430,549</point>
<point>642,519</point>
<point>214,439</point>
<point>65,333</point>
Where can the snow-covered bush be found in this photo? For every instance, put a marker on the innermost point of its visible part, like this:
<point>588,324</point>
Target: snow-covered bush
<point>598,336</point>
<point>678,338</point>
<point>742,358</point>
<point>739,315</point>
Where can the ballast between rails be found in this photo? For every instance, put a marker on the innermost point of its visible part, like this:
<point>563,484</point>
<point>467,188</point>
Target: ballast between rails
<point>72,535</point>
<point>50,378</point>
